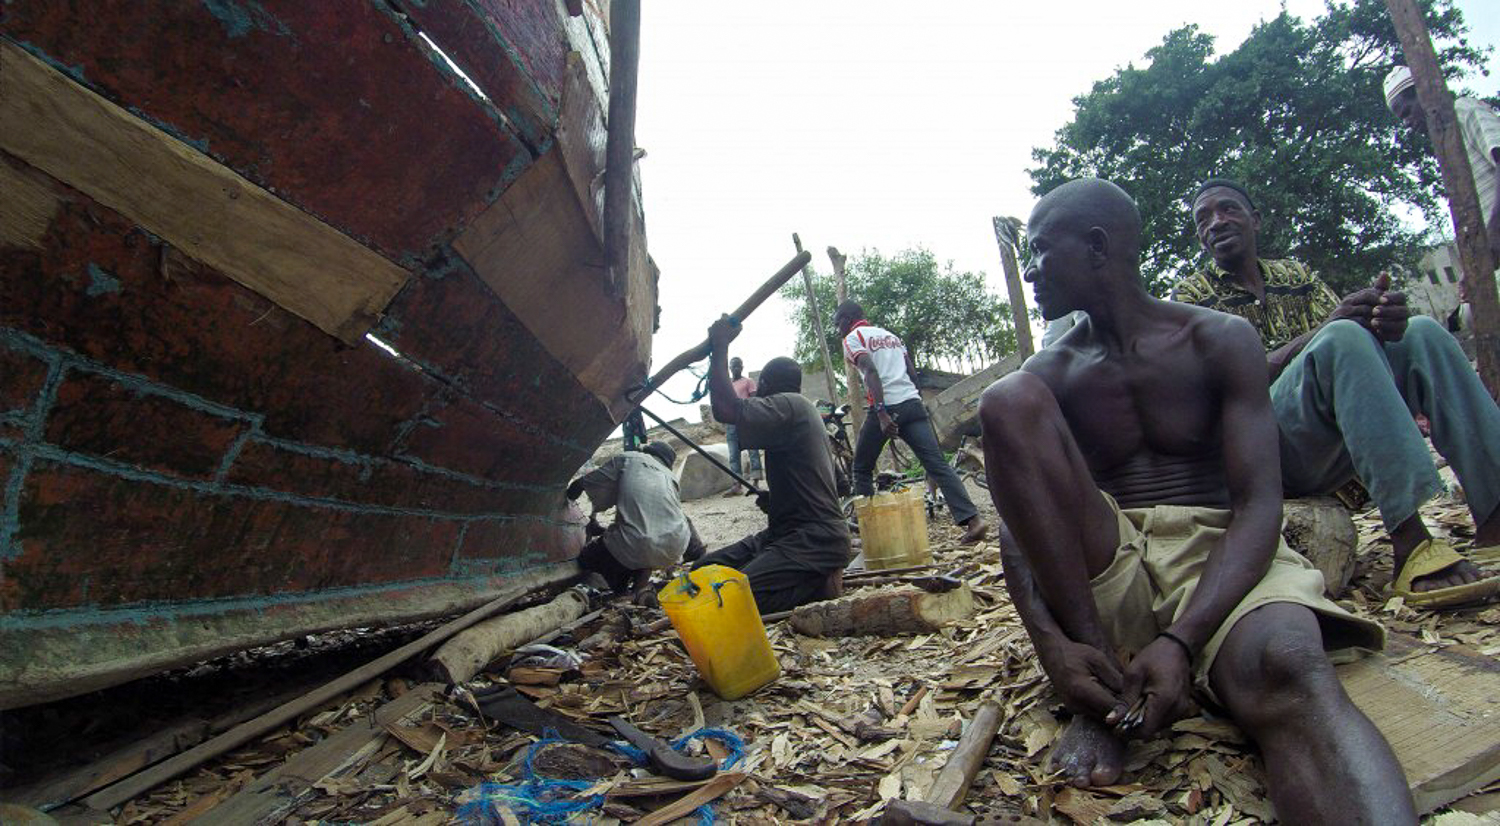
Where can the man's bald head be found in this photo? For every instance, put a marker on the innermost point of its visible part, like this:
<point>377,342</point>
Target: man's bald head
<point>1089,203</point>
<point>1084,236</point>
<point>780,375</point>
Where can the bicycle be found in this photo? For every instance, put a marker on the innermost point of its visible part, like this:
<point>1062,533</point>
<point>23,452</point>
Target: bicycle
<point>838,443</point>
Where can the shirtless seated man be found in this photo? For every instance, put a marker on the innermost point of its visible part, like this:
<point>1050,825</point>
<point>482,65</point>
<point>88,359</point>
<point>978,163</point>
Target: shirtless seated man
<point>1142,504</point>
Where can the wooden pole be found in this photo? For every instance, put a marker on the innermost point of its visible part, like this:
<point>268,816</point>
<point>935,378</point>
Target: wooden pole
<point>1005,236</point>
<point>952,784</point>
<point>817,327</point>
<point>686,357</point>
<point>851,375</point>
<point>130,787</point>
<point>619,149</point>
<point>1458,179</point>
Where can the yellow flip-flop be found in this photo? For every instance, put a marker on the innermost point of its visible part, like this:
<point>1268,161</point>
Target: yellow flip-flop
<point>1430,557</point>
<point>1486,556</point>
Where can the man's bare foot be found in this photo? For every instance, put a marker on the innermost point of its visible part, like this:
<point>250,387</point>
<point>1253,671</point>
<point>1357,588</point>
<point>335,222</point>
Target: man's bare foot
<point>976,530</point>
<point>1088,754</point>
<point>1405,539</point>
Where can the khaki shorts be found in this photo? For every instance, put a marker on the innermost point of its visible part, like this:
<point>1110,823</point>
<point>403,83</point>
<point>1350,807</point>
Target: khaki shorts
<point>1162,553</point>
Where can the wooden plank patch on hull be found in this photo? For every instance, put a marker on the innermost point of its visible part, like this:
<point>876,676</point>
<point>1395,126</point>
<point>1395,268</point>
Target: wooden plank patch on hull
<point>547,223</point>
<point>1440,711</point>
<point>190,200</point>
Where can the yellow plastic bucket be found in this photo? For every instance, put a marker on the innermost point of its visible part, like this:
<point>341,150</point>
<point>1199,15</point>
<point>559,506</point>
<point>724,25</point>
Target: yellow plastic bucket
<point>893,529</point>
<point>714,613</point>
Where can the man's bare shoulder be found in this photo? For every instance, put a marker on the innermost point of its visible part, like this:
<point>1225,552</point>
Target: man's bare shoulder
<point>1219,336</point>
<point>1051,363</point>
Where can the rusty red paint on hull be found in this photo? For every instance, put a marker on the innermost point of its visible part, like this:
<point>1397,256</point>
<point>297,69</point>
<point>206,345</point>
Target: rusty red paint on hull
<point>343,132</point>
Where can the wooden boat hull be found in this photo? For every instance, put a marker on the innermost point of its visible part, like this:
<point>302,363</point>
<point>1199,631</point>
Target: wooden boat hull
<point>207,207</point>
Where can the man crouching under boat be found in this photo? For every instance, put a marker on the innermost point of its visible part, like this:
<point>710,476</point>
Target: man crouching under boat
<point>1142,504</point>
<point>650,530</point>
<point>799,557</point>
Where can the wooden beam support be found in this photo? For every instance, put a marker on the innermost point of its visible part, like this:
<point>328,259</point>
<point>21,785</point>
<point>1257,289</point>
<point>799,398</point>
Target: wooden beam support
<point>1458,179</point>
<point>196,204</point>
<point>619,153</point>
<point>851,375</point>
<point>1005,236</point>
<point>817,325</point>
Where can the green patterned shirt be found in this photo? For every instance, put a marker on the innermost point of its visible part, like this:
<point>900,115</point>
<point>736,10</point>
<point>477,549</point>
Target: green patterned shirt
<point>1296,300</point>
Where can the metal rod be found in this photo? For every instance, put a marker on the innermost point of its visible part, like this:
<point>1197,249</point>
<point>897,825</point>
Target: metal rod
<point>709,456</point>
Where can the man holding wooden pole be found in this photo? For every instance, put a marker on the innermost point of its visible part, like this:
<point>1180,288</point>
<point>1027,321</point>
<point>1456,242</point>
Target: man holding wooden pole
<point>801,554</point>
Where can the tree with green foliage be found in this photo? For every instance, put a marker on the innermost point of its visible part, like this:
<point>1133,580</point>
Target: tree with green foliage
<point>947,319</point>
<point>1295,113</point>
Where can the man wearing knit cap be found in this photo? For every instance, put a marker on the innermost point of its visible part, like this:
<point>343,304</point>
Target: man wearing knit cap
<point>1347,375</point>
<point>1480,128</point>
<point>800,556</point>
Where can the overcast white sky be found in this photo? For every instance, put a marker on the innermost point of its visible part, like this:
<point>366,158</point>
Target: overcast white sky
<point>877,124</point>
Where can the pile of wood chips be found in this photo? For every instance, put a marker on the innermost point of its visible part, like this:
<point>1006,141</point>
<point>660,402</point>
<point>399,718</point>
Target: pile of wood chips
<point>851,723</point>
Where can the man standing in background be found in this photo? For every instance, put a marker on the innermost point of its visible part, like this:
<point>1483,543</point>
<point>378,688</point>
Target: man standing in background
<point>744,388</point>
<point>896,410</point>
<point>1479,126</point>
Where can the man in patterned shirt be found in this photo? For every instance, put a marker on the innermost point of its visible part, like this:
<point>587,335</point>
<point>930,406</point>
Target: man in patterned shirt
<point>1346,376</point>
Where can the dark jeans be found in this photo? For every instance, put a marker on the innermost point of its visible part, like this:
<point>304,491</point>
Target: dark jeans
<point>596,558</point>
<point>787,570</point>
<point>732,441</point>
<point>917,432</point>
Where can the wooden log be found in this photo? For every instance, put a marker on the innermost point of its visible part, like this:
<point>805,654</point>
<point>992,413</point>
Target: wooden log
<point>130,787</point>
<point>952,784</point>
<point>883,612</point>
<point>469,652</point>
<point>1321,529</point>
<point>851,375</point>
<point>1458,180</point>
<point>1005,236</point>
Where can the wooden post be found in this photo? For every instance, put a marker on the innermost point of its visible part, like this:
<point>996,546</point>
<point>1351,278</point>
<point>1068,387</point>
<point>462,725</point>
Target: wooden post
<point>817,327</point>
<point>619,150</point>
<point>851,375</point>
<point>1458,179</point>
<point>1005,236</point>
<point>952,784</point>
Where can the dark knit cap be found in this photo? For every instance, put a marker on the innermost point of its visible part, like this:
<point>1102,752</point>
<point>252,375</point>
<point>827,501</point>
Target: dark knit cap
<point>1227,184</point>
<point>660,450</point>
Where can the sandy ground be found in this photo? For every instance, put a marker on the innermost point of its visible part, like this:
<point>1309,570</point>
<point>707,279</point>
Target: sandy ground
<point>721,520</point>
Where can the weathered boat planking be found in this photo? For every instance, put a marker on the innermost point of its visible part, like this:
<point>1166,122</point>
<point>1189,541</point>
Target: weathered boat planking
<point>207,205</point>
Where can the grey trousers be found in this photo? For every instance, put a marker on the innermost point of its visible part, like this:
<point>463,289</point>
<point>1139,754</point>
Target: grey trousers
<point>1345,406</point>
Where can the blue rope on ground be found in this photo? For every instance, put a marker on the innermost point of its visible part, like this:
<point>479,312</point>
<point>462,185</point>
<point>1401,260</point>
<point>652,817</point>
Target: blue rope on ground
<point>540,799</point>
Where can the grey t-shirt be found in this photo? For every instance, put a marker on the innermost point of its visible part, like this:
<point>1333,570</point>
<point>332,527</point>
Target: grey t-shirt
<point>799,466</point>
<point>650,530</point>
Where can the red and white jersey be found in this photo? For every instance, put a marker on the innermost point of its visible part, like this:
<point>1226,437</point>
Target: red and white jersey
<point>888,355</point>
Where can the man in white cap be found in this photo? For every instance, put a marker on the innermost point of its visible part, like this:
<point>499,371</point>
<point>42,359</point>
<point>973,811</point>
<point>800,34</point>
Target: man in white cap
<point>1480,128</point>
